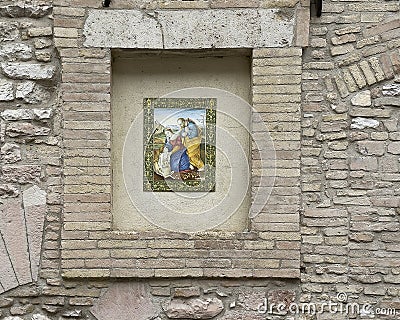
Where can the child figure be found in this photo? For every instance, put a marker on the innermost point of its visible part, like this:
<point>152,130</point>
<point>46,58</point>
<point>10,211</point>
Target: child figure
<point>164,163</point>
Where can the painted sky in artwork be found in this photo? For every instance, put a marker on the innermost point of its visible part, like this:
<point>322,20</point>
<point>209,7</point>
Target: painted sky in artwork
<point>168,116</point>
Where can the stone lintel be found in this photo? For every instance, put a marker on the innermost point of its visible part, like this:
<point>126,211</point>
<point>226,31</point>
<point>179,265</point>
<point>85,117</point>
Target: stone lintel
<point>189,29</point>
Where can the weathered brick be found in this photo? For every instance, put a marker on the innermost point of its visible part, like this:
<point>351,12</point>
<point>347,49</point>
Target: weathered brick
<point>346,30</point>
<point>343,39</point>
<point>40,32</point>
<point>367,41</point>
<point>368,73</point>
<point>341,85</point>
<point>348,79</point>
<point>343,49</point>
<point>358,76</point>
<point>379,73</point>
<point>381,28</point>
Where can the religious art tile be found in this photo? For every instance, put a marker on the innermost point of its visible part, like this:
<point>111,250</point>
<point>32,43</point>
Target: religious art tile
<point>179,144</point>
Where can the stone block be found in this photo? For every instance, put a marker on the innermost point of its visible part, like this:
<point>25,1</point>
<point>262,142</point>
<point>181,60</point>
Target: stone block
<point>42,114</point>
<point>187,292</point>
<point>371,51</point>
<point>8,190</point>
<point>40,31</point>
<point>381,28</point>
<point>24,88</point>
<point>43,55</point>
<point>15,51</point>
<point>41,43</point>
<point>8,278</point>
<point>395,60</point>
<point>303,27</point>
<point>10,153</point>
<point>319,65</point>
<point>394,147</point>
<point>22,174</point>
<point>9,31</point>
<point>368,72</point>
<point>376,66</point>
<point>364,163</point>
<point>370,112</point>
<point>386,65</point>
<point>343,49</point>
<point>206,308</point>
<point>13,230</point>
<point>318,42</point>
<point>17,114</point>
<point>133,301</point>
<point>341,85</point>
<point>325,213</point>
<point>367,41</point>
<point>38,316</point>
<point>362,123</point>
<point>31,92</point>
<point>387,101</point>
<point>26,129</point>
<point>349,59</point>
<point>349,29</point>
<point>235,4</point>
<point>376,148</point>
<point>379,136</point>
<point>30,71</point>
<point>21,9</point>
<point>362,236</point>
<point>348,79</point>
<point>362,99</point>
<point>6,90</point>
<point>358,76</point>
<point>391,89</point>
<point>343,39</point>
<point>34,201</point>
<point>184,29</point>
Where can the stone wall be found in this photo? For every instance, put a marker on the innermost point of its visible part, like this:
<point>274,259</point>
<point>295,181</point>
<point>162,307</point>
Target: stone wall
<point>350,154</point>
<point>350,149</point>
<point>30,154</point>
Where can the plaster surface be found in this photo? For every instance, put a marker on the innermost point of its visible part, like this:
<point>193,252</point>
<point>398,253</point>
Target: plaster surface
<point>189,29</point>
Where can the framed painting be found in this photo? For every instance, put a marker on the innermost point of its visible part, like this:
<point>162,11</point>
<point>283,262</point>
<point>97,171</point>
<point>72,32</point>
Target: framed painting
<point>179,144</point>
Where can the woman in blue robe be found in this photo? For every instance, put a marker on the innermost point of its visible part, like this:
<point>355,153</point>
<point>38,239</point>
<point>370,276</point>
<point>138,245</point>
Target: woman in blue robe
<point>179,160</point>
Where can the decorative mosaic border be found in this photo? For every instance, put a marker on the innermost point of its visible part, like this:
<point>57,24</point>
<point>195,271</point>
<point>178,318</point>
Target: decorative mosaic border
<point>209,104</point>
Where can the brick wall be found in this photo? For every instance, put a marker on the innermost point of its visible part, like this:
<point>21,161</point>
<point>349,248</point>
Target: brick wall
<point>90,246</point>
<point>343,171</point>
<point>350,156</point>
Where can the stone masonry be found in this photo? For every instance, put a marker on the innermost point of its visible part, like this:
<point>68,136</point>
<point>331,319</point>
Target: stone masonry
<point>330,232</point>
<point>350,155</point>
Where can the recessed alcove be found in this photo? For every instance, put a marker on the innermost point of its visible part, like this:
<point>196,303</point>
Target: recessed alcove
<point>137,75</point>
<point>133,54</point>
